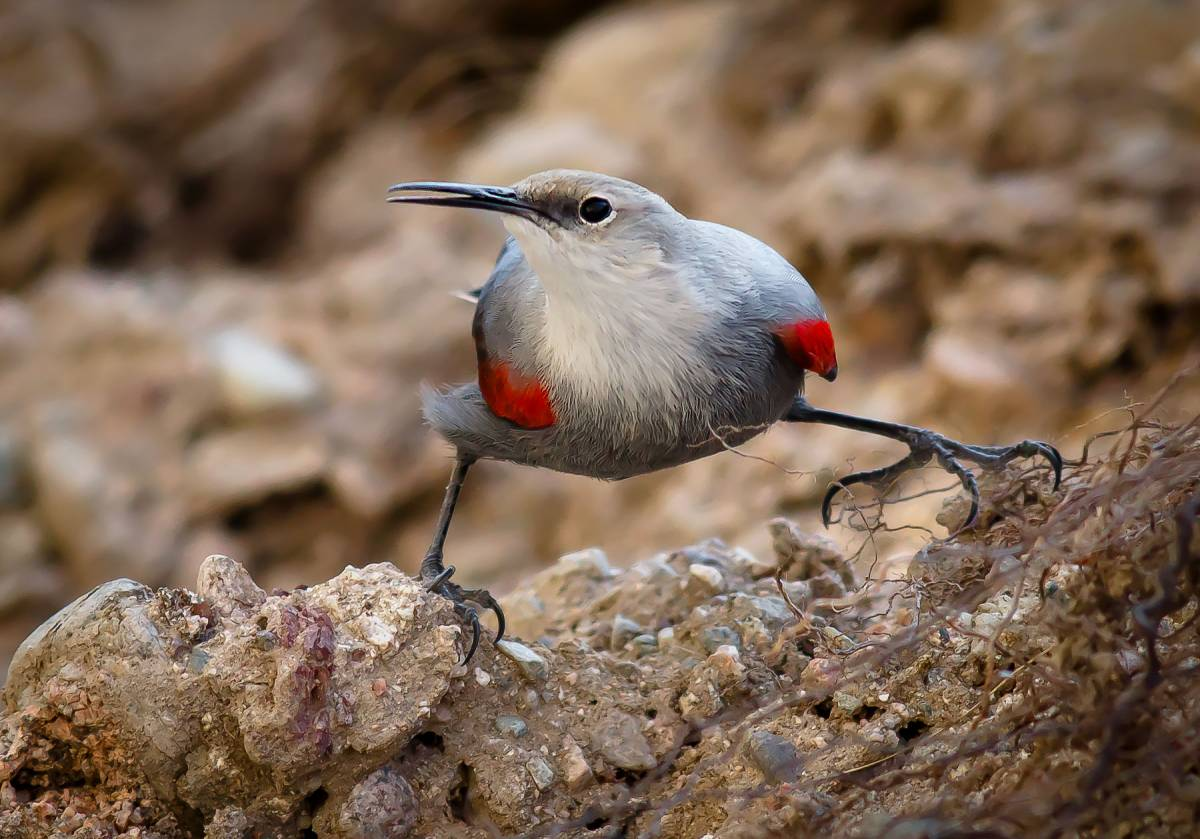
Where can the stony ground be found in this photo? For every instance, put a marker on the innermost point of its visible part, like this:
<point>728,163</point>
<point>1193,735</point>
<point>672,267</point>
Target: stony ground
<point>212,330</point>
<point>1032,676</point>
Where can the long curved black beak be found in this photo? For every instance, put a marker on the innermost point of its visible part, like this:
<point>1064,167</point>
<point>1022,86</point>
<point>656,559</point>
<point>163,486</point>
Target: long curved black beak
<point>499,199</point>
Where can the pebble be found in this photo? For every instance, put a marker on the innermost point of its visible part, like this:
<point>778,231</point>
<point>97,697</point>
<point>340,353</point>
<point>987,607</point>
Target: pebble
<point>227,586</point>
<point>619,739</point>
<point>592,563</point>
<point>531,665</point>
<point>775,756</point>
<point>541,772</point>
<point>508,724</point>
<point>711,578</point>
<point>719,636</point>
<point>257,376</point>
<point>847,702</point>
<point>726,664</point>
<point>576,770</point>
<point>644,645</point>
<point>382,804</point>
<point>623,630</point>
<point>666,637</point>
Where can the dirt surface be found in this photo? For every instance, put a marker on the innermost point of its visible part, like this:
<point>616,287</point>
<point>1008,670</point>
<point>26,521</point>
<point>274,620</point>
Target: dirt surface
<point>213,330</point>
<point>1033,676</point>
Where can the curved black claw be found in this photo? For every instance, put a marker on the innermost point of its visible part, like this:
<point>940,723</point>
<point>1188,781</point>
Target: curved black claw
<point>924,445</point>
<point>484,598</point>
<point>459,597</point>
<point>872,477</point>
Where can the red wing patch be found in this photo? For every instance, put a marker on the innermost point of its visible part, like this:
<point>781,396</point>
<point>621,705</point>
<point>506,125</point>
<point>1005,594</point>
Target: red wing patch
<point>517,398</point>
<point>810,345</point>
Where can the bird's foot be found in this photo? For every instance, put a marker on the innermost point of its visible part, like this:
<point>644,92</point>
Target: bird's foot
<point>436,578</point>
<point>925,445</point>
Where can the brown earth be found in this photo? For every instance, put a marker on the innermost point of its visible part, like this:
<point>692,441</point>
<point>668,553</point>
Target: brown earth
<point>1034,676</point>
<point>215,329</point>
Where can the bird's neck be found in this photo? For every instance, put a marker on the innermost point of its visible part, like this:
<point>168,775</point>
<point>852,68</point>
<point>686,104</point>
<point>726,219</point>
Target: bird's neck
<point>624,330</point>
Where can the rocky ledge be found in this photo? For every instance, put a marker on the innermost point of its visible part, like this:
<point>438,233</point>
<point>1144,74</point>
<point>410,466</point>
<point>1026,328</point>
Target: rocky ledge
<point>701,693</point>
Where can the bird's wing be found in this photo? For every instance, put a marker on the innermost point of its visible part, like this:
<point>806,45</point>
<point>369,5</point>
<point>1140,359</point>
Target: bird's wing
<point>777,296</point>
<point>508,380</point>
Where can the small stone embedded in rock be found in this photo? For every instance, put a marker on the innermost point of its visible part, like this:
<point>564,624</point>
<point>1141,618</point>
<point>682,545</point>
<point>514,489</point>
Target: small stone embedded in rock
<point>811,556</point>
<point>591,562</point>
<point>644,645</point>
<point>709,577</point>
<point>226,586</point>
<point>510,725</point>
<point>576,771</point>
<point>381,806</point>
<point>847,702</point>
<point>541,772</point>
<point>618,738</point>
<point>719,636</point>
<point>775,756</point>
<point>623,630</point>
<point>531,665</point>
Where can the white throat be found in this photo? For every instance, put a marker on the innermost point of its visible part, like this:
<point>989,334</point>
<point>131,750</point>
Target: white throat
<point>621,327</point>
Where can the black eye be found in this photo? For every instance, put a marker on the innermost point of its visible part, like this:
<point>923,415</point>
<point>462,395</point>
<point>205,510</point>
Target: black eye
<point>595,209</point>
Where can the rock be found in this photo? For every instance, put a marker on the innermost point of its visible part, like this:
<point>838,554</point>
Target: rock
<point>541,772</point>
<point>576,771</point>
<point>226,586</point>
<point>847,702</point>
<point>309,699</point>
<point>257,376</point>
<point>813,558</point>
<point>623,630</point>
<point>644,645</point>
<point>715,637</point>
<point>579,577</point>
<point>380,806</point>
<point>618,738</point>
<point>511,726</point>
<point>531,665</point>
<point>775,756</point>
<point>726,664</point>
<point>711,578</point>
<point>77,487</point>
<point>232,469</point>
<point>228,823</point>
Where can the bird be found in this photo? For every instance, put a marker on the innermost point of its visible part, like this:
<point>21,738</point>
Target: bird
<point>616,336</point>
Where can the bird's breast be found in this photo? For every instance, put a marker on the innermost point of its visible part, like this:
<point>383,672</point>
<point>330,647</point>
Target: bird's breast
<point>637,361</point>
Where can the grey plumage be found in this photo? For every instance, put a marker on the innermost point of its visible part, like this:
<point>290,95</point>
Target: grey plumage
<point>705,297</point>
<point>616,337</point>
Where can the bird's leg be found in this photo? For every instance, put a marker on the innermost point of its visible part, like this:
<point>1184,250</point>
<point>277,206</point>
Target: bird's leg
<point>923,446</point>
<point>436,576</point>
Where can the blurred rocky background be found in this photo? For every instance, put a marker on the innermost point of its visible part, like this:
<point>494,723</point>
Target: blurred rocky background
<point>212,328</point>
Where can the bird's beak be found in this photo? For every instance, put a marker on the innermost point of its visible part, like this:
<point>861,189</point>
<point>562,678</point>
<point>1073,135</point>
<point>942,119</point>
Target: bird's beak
<point>499,199</point>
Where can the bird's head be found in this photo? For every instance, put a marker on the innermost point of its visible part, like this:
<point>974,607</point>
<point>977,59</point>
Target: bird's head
<point>567,221</point>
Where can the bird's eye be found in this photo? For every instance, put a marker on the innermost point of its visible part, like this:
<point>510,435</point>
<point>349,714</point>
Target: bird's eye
<point>595,209</point>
